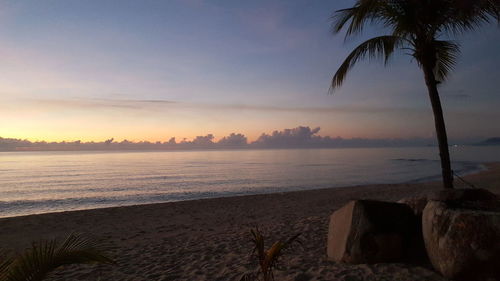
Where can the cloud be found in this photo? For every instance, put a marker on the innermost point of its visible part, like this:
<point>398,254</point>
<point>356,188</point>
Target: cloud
<point>159,104</point>
<point>299,137</point>
<point>233,140</point>
<point>459,96</point>
<point>99,103</point>
<point>200,141</point>
<point>305,137</point>
<point>456,94</point>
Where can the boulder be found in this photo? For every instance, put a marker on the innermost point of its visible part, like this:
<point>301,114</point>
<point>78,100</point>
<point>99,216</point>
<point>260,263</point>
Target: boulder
<point>462,236</point>
<point>365,231</point>
<point>417,204</point>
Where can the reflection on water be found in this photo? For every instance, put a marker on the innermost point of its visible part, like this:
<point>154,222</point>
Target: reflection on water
<point>38,182</point>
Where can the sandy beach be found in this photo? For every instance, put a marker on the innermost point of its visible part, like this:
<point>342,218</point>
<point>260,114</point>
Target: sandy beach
<point>210,239</point>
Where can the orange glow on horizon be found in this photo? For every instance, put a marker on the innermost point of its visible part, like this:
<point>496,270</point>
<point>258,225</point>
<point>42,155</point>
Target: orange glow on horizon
<point>152,136</point>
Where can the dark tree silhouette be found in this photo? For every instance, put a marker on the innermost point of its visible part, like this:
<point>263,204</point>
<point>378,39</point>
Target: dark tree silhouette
<point>422,28</point>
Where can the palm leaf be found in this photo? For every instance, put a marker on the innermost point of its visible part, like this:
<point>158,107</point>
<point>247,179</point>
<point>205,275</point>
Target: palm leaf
<point>468,15</point>
<point>4,264</point>
<point>42,258</point>
<point>447,53</point>
<point>355,18</point>
<point>378,47</point>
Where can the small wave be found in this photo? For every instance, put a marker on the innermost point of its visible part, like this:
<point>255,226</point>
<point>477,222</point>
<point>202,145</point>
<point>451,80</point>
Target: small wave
<point>316,165</point>
<point>470,168</point>
<point>414,160</point>
<point>460,168</point>
<point>432,178</point>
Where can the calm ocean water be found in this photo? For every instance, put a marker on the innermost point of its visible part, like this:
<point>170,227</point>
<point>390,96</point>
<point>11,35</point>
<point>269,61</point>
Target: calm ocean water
<point>41,182</point>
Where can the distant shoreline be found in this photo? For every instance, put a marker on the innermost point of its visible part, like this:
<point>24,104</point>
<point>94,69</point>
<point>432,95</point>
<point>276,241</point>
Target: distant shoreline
<point>213,149</point>
<point>299,137</point>
<point>237,148</point>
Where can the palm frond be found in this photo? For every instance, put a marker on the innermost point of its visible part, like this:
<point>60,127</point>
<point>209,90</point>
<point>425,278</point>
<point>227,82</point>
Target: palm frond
<point>357,17</point>
<point>4,264</point>
<point>468,15</point>
<point>381,47</point>
<point>447,53</point>
<point>340,19</point>
<point>42,258</point>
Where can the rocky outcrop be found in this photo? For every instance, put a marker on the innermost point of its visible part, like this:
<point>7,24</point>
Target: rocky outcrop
<point>365,231</point>
<point>462,234</point>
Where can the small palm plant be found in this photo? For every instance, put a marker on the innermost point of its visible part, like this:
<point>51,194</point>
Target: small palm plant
<point>267,259</point>
<point>44,257</point>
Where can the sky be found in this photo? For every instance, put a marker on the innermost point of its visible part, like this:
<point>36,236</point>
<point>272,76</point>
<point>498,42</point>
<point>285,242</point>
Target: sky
<point>152,70</point>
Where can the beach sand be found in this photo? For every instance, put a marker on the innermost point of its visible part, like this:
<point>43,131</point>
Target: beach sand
<point>210,240</point>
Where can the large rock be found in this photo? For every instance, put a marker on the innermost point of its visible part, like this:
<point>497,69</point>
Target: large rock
<point>417,204</point>
<point>365,231</point>
<point>462,237</point>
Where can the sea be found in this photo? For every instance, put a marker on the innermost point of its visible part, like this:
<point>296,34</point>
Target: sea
<point>43,182</point>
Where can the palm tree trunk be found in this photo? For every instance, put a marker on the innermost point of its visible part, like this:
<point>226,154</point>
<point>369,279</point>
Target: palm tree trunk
<point>430,81</point>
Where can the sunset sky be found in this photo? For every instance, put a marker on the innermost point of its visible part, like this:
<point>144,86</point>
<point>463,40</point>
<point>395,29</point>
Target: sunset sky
<point>151,70</point>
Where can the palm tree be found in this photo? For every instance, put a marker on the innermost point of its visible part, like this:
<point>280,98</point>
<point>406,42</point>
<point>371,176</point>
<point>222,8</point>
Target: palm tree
<point>42,258</point>
<point>423,29</point>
